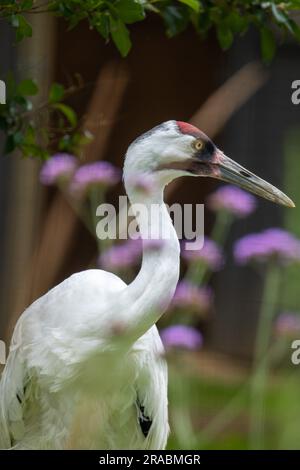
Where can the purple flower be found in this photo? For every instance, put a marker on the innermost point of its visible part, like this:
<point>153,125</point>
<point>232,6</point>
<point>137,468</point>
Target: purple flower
<point>233,200</point>
<point>190,296</point>
<point>210,254</point>
<point>152,244</point>
<point>144,184</point>
<point>272,243</point>
<point>287,324</point>
<point>181,336</point>
<point>97,173</point>
<point>121,256</point>
<point>59,167</point>
<point>127,254</point>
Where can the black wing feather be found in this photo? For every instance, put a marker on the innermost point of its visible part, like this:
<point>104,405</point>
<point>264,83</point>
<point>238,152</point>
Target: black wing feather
<point>144,420</point>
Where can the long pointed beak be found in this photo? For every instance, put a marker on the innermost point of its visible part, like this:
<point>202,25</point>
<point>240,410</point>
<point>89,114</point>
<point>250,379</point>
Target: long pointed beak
<point>231,172</point>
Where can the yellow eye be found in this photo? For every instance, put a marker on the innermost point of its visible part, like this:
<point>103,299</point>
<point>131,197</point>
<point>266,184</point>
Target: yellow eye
<point>199,145</point>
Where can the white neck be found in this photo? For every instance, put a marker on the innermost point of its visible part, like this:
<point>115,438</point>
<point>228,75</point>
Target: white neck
<point>152,290</point>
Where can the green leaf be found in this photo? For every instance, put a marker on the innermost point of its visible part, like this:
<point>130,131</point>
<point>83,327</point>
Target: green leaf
<point>120,35</point>
<point>13,141</point>
<point>29,137</point>
<point>267,44</point>
<point>9,145</point>
<point>23,102</point>
<point>27,88</point>
<point>225,36</point>
<point>63,9</point>
<point>215,14</point>
<point>76,18</point>
<point>283,19</point>
<point>176,19</point>
<point>3,123</point>
<point>193,4</point>
<point>293,26</point>
<point>204,23</point>
<point>129,11</point>
<point>67,112</point>
<point>100,21</point>
<point>23,28</point>
<point>14,21</point>
<point>65,143</point>
<point>56,93</point>
<point>34,150</point>
<point>236,22</point>
<point>278,14</point>
<point>26,4</point>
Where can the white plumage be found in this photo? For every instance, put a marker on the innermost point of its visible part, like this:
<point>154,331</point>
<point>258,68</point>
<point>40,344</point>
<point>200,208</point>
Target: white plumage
<point>51,368</point>
<point>86,366</point>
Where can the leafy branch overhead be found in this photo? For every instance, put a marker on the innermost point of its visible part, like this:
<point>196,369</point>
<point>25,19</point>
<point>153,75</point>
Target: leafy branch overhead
<point>32,132</point>
<point>111,18</point>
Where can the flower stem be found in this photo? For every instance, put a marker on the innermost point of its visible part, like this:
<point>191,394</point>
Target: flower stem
<point>236,405</point>
<point>76,206</point>
<point>196,272</point>
<point>261,357</point>
<point>221,227</point>
<point>96,198</point>
<point>181,414</point>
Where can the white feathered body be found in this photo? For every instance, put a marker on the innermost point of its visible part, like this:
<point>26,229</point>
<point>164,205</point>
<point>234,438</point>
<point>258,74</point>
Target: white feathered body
<point>66,386</point>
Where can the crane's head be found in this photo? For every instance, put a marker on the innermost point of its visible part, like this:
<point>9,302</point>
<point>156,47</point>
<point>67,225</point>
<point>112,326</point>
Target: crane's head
<point>176,148</point>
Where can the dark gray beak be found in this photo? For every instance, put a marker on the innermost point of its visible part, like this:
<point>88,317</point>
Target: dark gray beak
<point>231,172</point>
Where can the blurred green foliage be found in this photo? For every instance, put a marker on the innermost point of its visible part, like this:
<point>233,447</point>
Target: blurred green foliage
<point>111,18</point>
<point>219,410</point>
<point>291,280</point>
<point>31,130</point>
